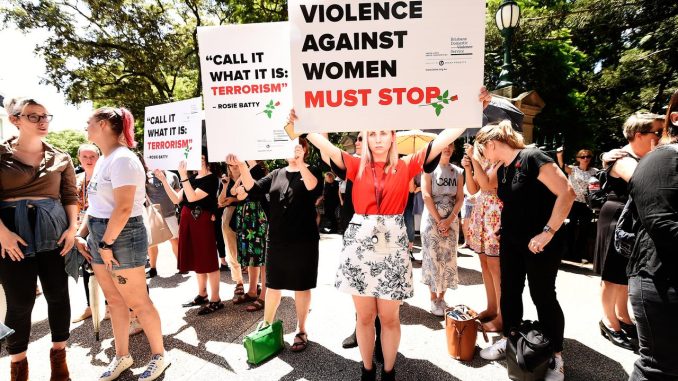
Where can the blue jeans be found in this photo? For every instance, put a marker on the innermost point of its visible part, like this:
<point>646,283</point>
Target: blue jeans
<point>129,249</point>
<point>655,306</point>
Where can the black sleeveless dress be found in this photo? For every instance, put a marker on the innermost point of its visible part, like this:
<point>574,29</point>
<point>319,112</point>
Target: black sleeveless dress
<point>606,260</point>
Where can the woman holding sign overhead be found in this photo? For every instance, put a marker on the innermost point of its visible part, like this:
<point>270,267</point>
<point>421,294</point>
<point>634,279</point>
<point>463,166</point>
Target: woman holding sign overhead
<point>374,264</point>
<point>292,257</point>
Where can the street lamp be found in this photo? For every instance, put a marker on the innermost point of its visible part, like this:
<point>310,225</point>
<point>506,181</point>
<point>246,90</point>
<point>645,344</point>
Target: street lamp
<point>507,19</point>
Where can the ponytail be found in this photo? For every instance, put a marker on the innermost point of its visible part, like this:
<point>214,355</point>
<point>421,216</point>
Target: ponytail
<point>122,123</point>
<point>128,127</point>
<point>502,132</point>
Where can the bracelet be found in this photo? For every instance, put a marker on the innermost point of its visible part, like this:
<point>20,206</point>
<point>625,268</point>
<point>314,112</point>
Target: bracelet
<point>183,181</point>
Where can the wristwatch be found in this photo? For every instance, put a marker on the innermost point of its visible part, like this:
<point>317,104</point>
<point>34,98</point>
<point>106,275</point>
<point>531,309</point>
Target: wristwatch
<point>106,246</point>
<point>548,229</point>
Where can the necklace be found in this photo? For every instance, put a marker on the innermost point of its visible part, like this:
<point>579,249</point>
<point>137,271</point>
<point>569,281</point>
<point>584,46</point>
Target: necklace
<point>503,181</point>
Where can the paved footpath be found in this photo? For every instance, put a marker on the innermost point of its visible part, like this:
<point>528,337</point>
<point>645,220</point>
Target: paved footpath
<point>210,347</point>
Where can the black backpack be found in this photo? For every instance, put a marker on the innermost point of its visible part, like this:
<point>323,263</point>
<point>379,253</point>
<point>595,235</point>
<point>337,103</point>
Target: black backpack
<point>528,352</point>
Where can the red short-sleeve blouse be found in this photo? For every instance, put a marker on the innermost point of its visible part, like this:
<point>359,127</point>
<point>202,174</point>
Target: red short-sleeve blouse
<point>395,185</point>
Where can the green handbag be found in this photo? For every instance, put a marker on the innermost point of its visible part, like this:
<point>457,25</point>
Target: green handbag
<point>265,342</point>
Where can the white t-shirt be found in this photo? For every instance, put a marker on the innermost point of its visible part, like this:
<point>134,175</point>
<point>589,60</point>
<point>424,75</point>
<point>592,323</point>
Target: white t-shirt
<point>122,167</point>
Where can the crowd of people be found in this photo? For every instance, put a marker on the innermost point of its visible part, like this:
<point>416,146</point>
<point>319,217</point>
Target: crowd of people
<point>515,206</point>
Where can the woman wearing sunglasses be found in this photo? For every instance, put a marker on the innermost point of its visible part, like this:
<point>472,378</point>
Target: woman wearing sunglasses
<point>580,214</point>
<point>641,132</point>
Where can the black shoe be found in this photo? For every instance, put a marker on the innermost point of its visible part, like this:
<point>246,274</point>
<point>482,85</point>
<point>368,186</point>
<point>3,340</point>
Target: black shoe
<point>197,301</point>
<point>630,330</point>
<point>152,273</point>
<point>350,342</point>
<point>368,375</point>
<point>387,376</point>
<point>617,338</point>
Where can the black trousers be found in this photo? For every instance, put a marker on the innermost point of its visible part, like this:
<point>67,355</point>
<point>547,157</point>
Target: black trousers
<point>218,233</point>
<point>517,263</point>
<point>19,279</point>
<point>655,306</point>
<point>578,232</point>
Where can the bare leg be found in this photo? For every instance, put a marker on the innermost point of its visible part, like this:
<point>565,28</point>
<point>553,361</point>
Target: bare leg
<point>608,301</point>
<point>621,304</point>
<point>153,256</point>
<point>302,302</point>
<point>495,273</point>
<point>491,309</point>
<point>202,284</point>
<point>366,309</point>
<point>389,316</point>
<point>271,304</point>
<point>262,296</point>
<point>213,279</point>
<point>175,247</point>
<point>117,306</point>
<point>253,275</point>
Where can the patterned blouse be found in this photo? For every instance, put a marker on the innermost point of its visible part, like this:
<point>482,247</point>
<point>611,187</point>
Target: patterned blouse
<point>580,181</point>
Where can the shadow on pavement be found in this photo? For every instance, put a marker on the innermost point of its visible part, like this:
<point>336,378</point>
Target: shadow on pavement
<point>469,277</point>
<point>412,315</point>
<point>605,369</point>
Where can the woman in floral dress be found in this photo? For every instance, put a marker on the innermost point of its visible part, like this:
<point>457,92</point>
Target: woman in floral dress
<point>443,192</point>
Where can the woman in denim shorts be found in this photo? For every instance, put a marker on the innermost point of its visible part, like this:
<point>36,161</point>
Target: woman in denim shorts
<point>117,240</point>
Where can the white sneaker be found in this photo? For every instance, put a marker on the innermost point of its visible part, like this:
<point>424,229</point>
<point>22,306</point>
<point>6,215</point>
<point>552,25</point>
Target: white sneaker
<point>155,367</point>
<point>116,367</point>
<point>556,370</point>
<point>496,351</point>
<point>135,327</point>
<point>443,305</point>
<point>435,308</point>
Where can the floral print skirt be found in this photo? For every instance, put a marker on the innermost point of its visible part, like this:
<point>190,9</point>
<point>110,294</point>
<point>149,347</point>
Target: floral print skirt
<point>374,260</point>
<point>485,224</point>
<point>439,252</point>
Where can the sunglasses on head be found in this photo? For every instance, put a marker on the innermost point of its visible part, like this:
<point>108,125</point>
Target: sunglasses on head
<point>585,157</point>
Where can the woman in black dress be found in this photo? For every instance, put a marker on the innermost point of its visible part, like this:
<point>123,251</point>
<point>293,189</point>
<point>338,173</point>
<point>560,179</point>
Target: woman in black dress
<point>616,324</point>
<point>292,258</point>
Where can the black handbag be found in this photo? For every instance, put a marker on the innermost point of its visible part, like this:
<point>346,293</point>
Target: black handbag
<point>528,352</point>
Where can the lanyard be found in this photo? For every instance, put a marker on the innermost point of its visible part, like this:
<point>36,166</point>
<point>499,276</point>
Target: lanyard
<point>378,186</point>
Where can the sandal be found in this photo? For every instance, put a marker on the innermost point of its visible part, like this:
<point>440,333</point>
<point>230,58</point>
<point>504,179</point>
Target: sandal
<point>211,307</point>
<point>244,298</point>
<point>197,301</point>
<point>258,305</point>
<point>299,346</point>
<point>239,290</point>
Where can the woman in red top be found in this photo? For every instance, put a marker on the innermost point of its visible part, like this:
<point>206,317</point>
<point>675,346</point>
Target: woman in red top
<point>374,262</point>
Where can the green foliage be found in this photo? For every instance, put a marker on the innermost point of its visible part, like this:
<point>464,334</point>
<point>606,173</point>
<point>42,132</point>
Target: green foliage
<point>67,141</point>
<point>594,62</point>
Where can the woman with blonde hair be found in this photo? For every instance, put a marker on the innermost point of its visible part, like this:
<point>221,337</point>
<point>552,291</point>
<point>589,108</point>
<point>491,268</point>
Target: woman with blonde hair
<point>537,198</point>
<point>484,227</point>
<point>374,263</point>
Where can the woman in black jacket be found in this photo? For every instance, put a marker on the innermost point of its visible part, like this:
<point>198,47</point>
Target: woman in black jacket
<point>653,266</point>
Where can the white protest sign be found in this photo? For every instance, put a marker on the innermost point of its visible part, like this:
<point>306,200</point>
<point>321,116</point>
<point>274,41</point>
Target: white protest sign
<point>245,80</point>
<point>172,133</point>
<point>386,65</point>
